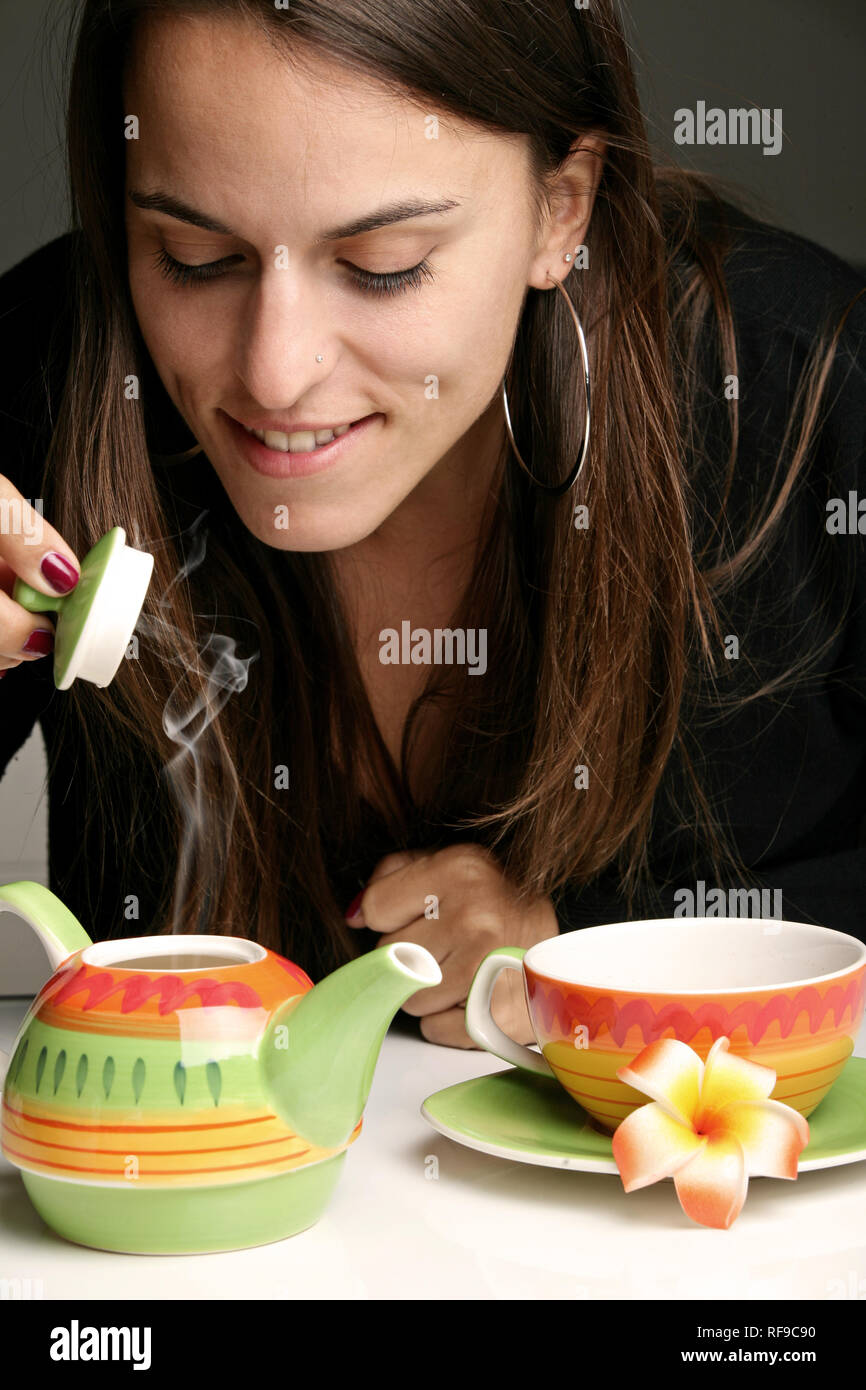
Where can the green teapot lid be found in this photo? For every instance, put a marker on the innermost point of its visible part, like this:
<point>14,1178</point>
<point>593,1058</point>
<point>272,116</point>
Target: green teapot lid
<point>96,620</point>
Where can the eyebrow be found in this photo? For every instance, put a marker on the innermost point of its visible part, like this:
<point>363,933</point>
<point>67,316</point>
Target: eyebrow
<point>401,211</point>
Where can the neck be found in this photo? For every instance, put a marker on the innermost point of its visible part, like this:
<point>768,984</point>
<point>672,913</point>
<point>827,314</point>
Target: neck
<point>428,544</point>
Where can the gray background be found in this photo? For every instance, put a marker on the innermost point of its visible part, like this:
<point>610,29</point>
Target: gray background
<point>802,56</point>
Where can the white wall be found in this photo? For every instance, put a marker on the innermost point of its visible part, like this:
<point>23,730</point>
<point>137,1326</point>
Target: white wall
<point>23,855</point>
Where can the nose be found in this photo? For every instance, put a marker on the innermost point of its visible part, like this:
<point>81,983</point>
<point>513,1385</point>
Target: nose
<point>283,333</point>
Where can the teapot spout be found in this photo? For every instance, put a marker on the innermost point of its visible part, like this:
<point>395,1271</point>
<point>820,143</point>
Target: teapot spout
<point>318,1053</point>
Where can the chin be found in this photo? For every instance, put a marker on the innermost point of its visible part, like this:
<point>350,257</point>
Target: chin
<point>310,534</point>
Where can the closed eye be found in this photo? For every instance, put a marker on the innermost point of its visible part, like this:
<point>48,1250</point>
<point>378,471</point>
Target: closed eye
<point>391,281</point>
<point>183,274</point>
<point>388,283</point>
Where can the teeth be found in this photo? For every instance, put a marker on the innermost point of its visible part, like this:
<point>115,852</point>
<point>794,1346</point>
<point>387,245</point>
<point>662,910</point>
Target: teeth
<point>277,439</point>
<point>302,441</point>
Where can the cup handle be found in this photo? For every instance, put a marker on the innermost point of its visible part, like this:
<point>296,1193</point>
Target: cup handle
<point>479,1020</point>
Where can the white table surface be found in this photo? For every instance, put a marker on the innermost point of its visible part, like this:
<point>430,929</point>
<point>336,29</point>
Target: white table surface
<point>485,1228</point>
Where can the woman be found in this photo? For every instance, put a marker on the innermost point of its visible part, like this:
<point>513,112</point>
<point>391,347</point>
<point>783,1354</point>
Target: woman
<point>651,652</point>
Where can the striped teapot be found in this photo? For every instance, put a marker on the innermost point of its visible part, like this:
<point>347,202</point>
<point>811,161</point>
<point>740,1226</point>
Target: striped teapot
<point>189,1093</point>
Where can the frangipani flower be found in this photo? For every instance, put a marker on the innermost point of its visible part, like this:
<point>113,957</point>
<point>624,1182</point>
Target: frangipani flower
<point>709,1126</point>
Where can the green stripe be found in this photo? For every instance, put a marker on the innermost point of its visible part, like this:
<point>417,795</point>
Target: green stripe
<point>101,1072</point>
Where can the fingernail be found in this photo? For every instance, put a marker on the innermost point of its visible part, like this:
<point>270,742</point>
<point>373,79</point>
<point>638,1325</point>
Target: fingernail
<point>40,642</point>
<point>61,575</point>
<point>352,909</point>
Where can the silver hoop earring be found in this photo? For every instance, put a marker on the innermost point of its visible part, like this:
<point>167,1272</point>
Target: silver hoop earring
<point>557,489</point>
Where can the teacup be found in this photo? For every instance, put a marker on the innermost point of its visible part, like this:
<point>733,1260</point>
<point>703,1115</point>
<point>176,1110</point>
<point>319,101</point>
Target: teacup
<point>788,995</point>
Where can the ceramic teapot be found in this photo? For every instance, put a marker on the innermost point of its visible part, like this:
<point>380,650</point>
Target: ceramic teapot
<point>181,1094</point>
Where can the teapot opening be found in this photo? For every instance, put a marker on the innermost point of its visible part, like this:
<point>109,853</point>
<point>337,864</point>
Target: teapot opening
<point>174,953</point>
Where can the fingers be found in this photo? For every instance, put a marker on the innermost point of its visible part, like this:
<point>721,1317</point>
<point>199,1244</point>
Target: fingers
<point>448,1029</point>
<point>393,896</point>
<point>459,905</point>
<point>412,881</point>
<point>433,997</point>
<point>458,956</point>
<point>32,547</point>
<point>20,629</point>
<point>400,859</point>
<point>508,1008</point>
<point>7,577</point>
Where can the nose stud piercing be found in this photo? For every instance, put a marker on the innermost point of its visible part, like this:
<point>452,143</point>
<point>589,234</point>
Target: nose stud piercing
<point>319,357</point>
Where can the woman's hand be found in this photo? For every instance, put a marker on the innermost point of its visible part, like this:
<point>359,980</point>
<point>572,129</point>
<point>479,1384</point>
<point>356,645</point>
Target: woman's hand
<point>458,903</point>
<point>33,550</point>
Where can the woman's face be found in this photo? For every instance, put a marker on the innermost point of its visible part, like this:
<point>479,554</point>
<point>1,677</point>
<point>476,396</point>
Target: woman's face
<point>278,163</point>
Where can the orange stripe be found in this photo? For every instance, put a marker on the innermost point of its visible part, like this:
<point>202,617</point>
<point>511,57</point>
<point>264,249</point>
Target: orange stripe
<point>594,1109</point>
<point>781,1076</point>
<point>580,1095</point>
<point>609,1113</point>
<point>134,1129</point>
<point>155,1172</point>
<point>591,1095</point>
<point>71,1020</point>
<point>217,1149</point>
<point>810,1091</point>
<point>789,1075</point>
<point>590,1075</point>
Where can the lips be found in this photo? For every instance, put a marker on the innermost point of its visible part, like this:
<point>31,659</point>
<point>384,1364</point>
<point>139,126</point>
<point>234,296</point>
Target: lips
<point>267,452</point>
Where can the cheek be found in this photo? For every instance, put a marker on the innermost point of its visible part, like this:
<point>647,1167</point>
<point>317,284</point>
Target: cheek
<point>185,339</point>
<point>452,349</point>
<point>460,358</point>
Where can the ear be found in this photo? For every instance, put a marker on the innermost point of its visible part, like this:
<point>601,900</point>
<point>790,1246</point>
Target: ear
<point>571,195</point>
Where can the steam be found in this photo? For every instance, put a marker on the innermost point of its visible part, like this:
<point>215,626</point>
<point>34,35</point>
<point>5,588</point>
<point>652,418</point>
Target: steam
<point>226,674</point>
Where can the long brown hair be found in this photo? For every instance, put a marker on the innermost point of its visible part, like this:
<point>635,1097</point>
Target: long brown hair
<point>602,635</point>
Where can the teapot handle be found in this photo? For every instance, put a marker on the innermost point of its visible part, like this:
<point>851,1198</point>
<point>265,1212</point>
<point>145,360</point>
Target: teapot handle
<point>59,931</point>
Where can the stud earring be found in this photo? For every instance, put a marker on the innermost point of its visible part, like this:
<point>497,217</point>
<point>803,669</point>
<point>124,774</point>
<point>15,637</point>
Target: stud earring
<point>319,357</point>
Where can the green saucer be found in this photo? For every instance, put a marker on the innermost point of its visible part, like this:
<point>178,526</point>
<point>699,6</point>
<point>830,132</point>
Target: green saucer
<point>530,1119</point>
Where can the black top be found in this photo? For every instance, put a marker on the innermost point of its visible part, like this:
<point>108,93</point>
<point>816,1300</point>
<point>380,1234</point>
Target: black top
<point>788,772</point>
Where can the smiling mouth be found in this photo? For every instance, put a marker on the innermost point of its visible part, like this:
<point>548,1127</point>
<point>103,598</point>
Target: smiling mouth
<point>301,442</point>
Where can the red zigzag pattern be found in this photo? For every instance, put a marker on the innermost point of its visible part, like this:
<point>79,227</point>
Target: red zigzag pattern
<point>557,1011</point>
<point>171,990</point>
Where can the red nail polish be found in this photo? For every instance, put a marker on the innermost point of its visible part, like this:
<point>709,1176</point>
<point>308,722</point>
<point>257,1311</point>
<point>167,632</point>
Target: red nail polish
<point>352,909</point>
<point>40,642</point>
<point>60,574</point>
